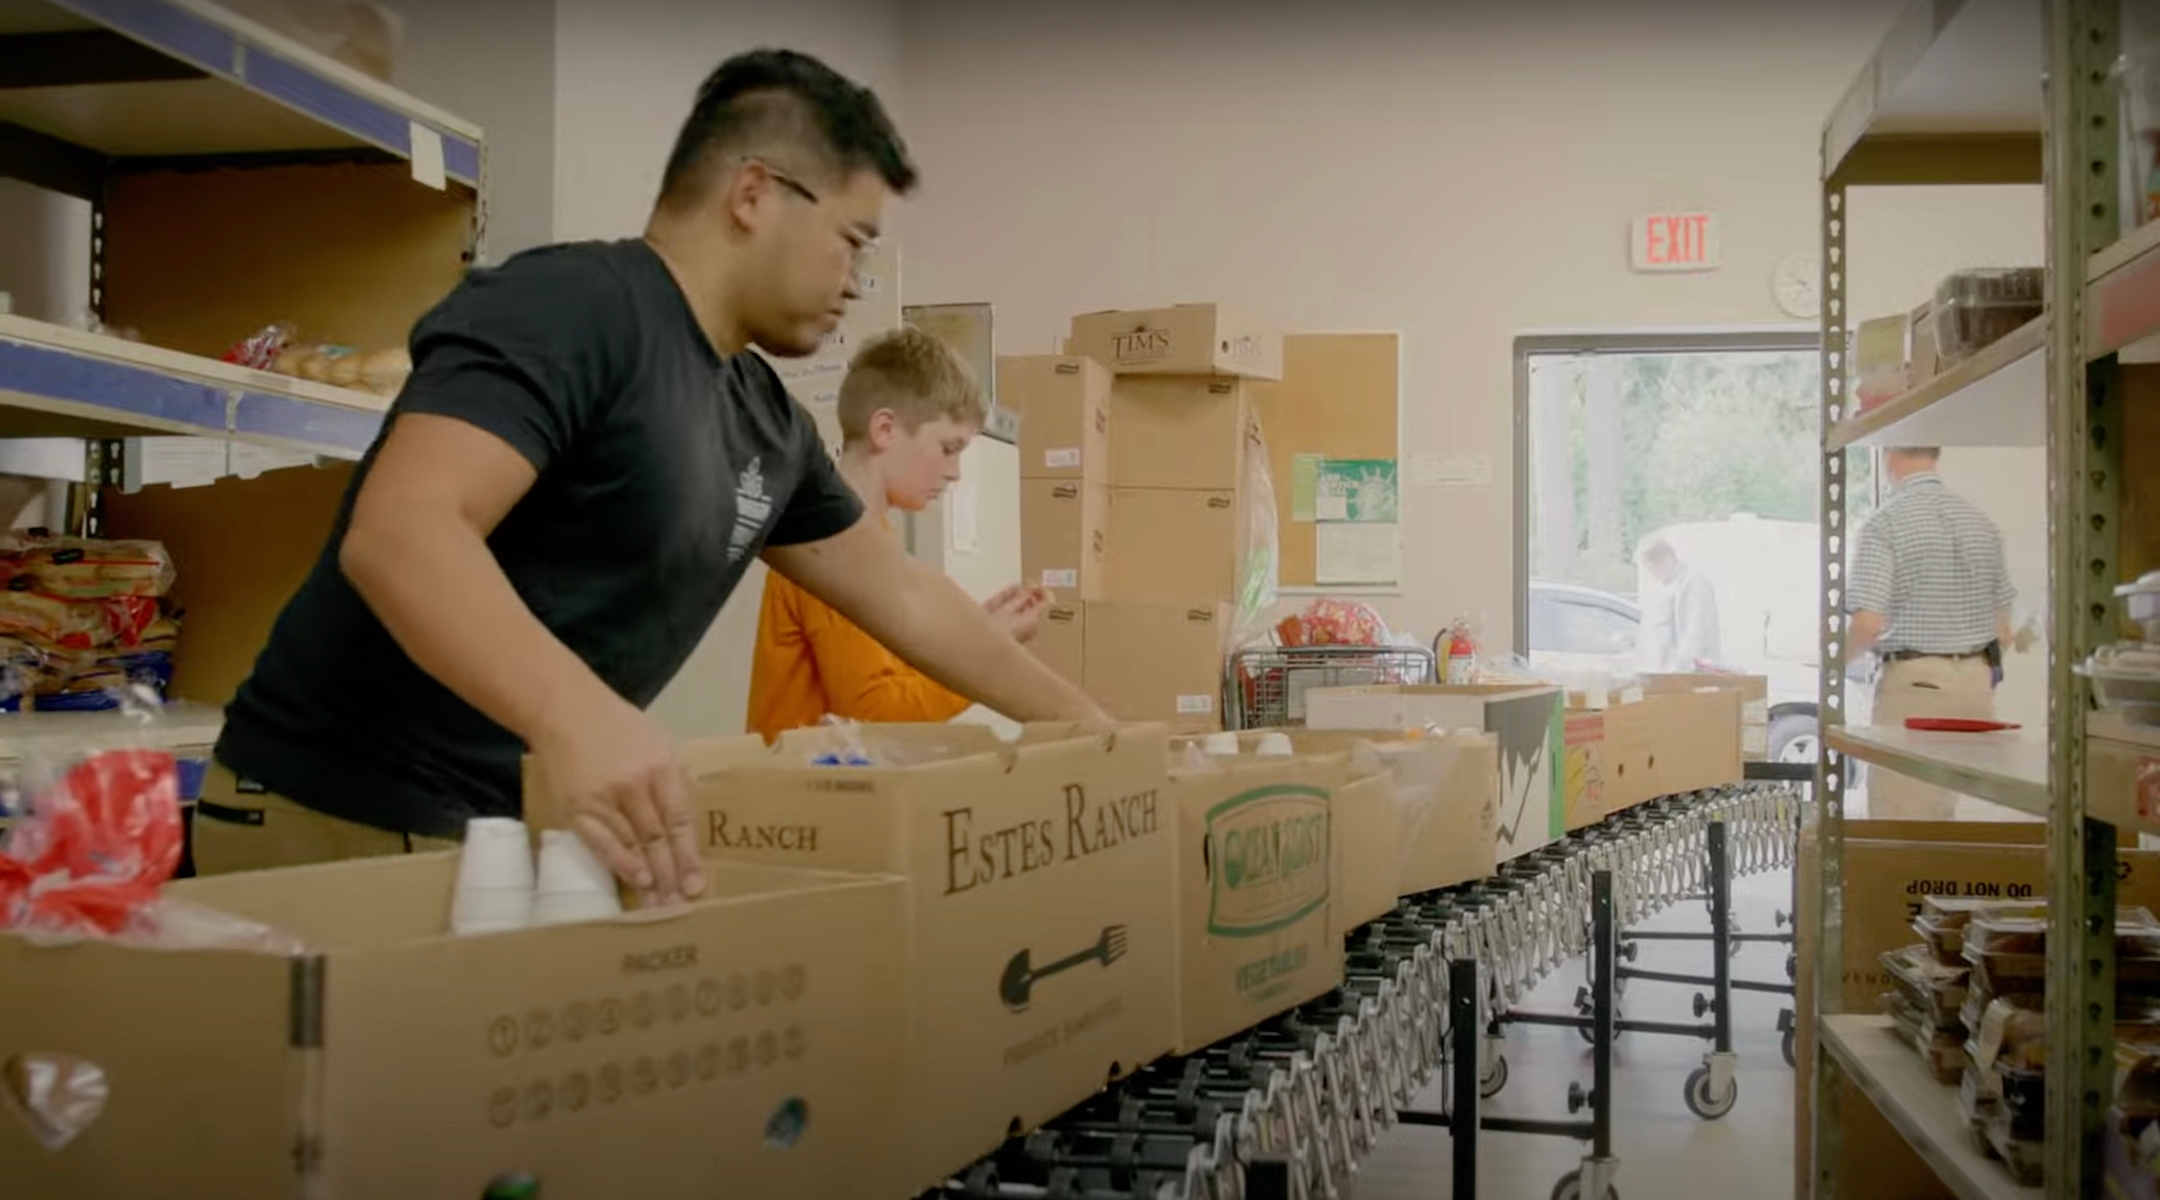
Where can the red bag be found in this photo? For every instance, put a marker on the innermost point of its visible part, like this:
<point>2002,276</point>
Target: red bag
<point>95,847</point>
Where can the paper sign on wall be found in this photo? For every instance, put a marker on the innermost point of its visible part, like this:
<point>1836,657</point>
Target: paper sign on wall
<point>1361,490</point>
<point>1347,553</point>
<point>1304,484</point>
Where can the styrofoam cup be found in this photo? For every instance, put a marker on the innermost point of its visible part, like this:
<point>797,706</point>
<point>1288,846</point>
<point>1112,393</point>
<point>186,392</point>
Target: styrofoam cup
<point>489,910</point>
<point>1274,745</point>
<point>1220,743</point>
<point>574,885</point>
<point>495,877</point>
<point>566,908</point>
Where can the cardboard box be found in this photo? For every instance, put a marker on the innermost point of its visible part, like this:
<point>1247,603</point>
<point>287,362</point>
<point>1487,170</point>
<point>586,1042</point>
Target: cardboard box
<point>1525,719</point>
<point>1754,693</point>
<point>1064,407</point>
<point>1256,934</point>
<point>1185,339</point>
<point>1174,545</point>
<point>1061,641</point>
<point>1042,905</point>
<point>1889,867</point>
<point>1877,1160</point>
<point>1420,813</point>
<point>1065,537</point>
<point>1180,431</point>
<point>645,1056</point>
<point>1661,744</point>
<point>1152,661</point>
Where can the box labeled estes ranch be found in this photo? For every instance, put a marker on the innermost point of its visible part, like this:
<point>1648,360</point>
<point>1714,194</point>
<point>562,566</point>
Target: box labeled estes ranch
<point>1041,905</point>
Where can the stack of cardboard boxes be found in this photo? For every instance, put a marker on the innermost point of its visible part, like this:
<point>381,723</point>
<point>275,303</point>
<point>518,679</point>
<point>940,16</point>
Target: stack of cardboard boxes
<point>1133,453</point>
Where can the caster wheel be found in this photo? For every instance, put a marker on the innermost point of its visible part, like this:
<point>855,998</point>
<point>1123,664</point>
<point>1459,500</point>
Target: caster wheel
<point>1495,1079</point>
<point>1790,1047</point>
<point>1702,1103</point>
<point>1570,1188</point>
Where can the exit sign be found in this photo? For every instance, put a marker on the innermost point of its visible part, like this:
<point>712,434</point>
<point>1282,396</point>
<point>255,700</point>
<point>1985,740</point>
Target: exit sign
<point>1675,242</point>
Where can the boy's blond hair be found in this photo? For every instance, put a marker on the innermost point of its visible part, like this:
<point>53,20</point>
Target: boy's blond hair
<point>916,376</point>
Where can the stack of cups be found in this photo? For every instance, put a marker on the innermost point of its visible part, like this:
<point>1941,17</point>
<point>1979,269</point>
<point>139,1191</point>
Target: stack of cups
<point>495,878</point>
<point>574,884</point>
<point>498,887</point>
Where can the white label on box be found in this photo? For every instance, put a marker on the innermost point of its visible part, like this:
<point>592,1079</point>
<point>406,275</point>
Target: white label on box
<point>1756,711</point>
<point>1059,459</point>
<point>1755,740</point>
<point>1195,706</point>
<point>427,158</point>
<point>1061,579</point>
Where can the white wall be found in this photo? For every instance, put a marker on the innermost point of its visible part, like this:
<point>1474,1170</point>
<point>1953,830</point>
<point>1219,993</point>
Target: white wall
<point>625,73</point>
<point>1461,172</point>
<point>492,62</point>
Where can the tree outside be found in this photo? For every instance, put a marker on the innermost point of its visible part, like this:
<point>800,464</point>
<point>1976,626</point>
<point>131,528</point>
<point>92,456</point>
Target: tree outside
<point>1626,444</point>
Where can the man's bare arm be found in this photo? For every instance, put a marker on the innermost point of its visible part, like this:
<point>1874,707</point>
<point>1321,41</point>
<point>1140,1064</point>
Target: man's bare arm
<point>417,552</point>
<point>931,623</point>
<point>1864,629</point>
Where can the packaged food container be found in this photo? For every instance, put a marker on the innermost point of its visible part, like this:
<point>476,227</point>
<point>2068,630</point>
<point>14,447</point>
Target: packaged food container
<point>2141,603</point>
<point>1977,308</point>
<point>2126,680</point>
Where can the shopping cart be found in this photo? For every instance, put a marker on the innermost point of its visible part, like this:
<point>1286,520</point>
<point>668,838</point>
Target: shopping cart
<point>1265,686</point>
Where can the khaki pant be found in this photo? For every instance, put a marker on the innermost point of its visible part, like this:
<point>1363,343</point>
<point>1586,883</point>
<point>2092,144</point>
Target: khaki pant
<point>237,831</point>
<point>1925,687</point>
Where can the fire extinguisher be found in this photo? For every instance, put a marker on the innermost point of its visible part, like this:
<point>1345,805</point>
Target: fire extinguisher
<point>1458,655</point>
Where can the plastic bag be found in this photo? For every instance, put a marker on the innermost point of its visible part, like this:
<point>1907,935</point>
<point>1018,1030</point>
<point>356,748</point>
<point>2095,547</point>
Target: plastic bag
<point>1331,622</point>
<point>1260,555</point>
<point>72,568</point>
<point>100,835</point>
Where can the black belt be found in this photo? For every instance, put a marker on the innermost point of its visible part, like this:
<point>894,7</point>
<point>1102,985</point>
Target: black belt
<point>1988,652</point>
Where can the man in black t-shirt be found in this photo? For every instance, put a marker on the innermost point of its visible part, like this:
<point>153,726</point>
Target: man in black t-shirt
<point>578,473</point>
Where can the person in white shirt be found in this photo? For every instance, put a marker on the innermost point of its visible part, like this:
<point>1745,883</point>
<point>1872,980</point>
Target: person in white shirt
<point>1682,616</point>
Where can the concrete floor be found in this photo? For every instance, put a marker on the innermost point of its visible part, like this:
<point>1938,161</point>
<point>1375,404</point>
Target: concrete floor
<point>1664,1150</point>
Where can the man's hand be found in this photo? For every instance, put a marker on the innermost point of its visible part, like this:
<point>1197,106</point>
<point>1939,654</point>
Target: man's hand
<point>1018,610</point>
<point>613,774</point>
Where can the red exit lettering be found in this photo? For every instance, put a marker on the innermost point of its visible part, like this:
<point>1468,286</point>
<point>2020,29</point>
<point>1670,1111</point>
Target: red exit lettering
<point>1676,241</point>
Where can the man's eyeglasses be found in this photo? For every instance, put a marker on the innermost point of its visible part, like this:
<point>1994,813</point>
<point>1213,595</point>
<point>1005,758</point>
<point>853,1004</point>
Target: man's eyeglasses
<point>860,245</point>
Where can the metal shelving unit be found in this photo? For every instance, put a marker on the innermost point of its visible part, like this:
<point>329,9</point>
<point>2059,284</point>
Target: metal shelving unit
<point>1956,95</point>
<point>2010,769</point>
<point>235,179</point>
<point>106,95</point>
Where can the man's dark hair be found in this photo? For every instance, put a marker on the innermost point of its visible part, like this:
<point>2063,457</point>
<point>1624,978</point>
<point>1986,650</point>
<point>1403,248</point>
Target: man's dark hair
<point>792,107</point>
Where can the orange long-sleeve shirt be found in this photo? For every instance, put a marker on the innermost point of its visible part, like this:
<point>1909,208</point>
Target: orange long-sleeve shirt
<point>811,661</point>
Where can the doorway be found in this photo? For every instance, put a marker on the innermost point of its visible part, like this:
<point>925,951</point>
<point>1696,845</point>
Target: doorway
<point>1668,502</point>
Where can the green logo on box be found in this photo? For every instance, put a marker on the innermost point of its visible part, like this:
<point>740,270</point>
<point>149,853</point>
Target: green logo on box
<point>1268,859</point>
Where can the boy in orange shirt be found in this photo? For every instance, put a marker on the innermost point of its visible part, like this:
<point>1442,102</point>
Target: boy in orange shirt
<point>908,409</point>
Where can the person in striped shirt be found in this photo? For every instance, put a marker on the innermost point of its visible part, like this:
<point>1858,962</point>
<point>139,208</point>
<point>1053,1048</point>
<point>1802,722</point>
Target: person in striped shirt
<point>1930,593</point>
<point>908,408</point>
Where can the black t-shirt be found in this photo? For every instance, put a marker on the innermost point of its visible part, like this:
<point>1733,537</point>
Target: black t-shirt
<point>663,470</point>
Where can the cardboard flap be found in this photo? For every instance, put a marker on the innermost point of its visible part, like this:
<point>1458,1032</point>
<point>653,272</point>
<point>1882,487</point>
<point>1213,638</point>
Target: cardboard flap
<point>195,1047</point>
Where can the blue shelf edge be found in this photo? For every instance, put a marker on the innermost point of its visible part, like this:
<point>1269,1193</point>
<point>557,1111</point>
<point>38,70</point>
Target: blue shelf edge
<point>224,54</point>
<point>131,394</point>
